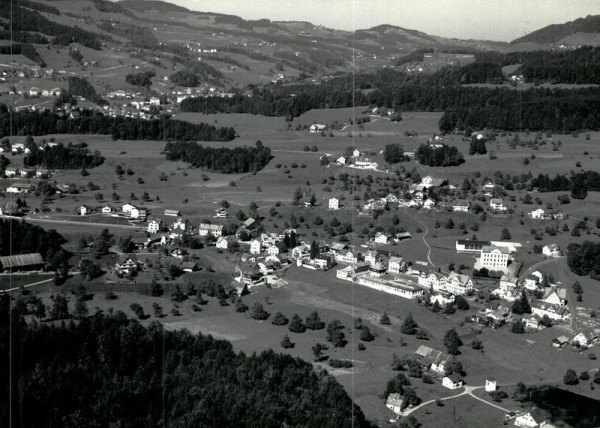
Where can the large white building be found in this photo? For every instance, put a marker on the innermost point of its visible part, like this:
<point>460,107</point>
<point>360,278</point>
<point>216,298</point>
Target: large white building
<point>391,287</point>
<point>334,204</point>
<point>493,257</point>
<point>453,282</point>
<point>210,229</point>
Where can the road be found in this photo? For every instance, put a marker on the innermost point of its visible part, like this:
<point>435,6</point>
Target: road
<point>36,283</point>
<point>77,223</point>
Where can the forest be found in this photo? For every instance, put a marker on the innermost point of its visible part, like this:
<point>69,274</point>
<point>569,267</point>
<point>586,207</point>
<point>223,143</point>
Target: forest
<point>578,183</point>
<point>438,156</point>
<point>185,78</point>
<point>143,79</point>
<point>79,86</point>
<point>19,237</point>
<point>63,157</point>
<point>25,20</point>
<point>109,370</point>
<point>584,258</point>
<point>90,122</point>
<point>25,49</point>
<point>225,160</point>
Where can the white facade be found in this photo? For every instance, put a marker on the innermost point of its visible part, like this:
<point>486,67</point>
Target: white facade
<point>210,229</point>
<point>381,238</point>
<point>497,205</point>
<point>222,243</point>
<point>255,247</point>
<point>273,250</point>
<point>334,204</point>
<point>153,226</point>
<point>452,383</point>
<point>551,250</point>
<point>537,214</point>
<point>493,257</point>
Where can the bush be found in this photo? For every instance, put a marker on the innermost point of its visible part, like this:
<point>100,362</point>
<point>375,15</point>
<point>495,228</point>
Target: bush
<point>570,377</point>
<point>279,319</point>
<point>340,364</point>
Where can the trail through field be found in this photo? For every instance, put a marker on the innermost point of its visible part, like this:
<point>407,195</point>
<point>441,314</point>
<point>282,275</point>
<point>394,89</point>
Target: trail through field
<point>424,240</point>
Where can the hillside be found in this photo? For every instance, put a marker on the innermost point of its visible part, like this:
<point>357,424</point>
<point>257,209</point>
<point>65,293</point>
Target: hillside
<point>113,39</point>
<point>556,33</point>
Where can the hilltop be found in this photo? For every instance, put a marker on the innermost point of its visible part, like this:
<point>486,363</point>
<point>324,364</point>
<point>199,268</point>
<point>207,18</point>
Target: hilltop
<point>582,31</point>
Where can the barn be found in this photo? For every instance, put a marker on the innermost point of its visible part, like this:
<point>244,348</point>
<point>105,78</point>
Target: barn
<point>21,262</point>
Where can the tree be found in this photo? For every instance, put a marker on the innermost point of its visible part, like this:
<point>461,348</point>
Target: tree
<point>385,320</point>
<point>258,312</point>
<point>313,321</point>
<point>409,325</point>
<point>358,324</point>
<point>394,153</point>
<point>396,385</point>
<point>156,289</point>
<point>521,393</point>
<point>177,295</point>
<point>81,310</point>
<point>60,307</point>
<point>137,310</point>
<point>335,334</point>
<point>296,325</point>
<point>410,398</point>
<point>279,319</point>
<point>521,305</point>
<point>570,377</point>
<point>158,310</point>
<point>577,289</point>
<point>461,303</point>
<point>518,327</point>
<point>286,343</point>
<point>453,366</point>
<point>505,235</point>
<point>317,351</point>
<point>365,335</point>
<point>452,342</point>
<point>240,306</point>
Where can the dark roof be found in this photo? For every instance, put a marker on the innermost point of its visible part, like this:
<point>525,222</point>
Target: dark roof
<point>472,242</point>
<point>21,260</point>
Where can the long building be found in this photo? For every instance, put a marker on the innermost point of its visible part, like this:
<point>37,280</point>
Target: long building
<point>388,286</point>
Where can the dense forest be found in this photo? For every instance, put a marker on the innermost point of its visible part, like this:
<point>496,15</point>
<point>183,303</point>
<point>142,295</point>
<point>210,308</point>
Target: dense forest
<point>19,237</point>
<point>108,370</point>
<point>90,122</point>
<point>143,79</point>
<point>445,155</point>
<point>25,20</point>
<point>184,78</point>
<point>226,160</point>
<point>79,86</point>
<point>63,157</point>
<point>584,258</point>
<point>25,49</point>
<point>578,183</point>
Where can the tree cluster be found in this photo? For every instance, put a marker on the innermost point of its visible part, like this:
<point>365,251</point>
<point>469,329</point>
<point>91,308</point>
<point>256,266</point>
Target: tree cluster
<point>63,157</point>
<point>439,156</point>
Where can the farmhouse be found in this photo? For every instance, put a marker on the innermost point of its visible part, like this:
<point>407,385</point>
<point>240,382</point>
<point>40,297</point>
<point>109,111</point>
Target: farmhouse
<point>488,189</point>
<point>84,210</point>
<point>532,419</point>
<point>429,182</point>
<point>255,247</point>
<point>555,296</point>
<point>454,283</point>
<point>107,209</point>
<point>559,342</point>
<point>345,273</point>
<point>551,250</point>
<point>341,160</point>
<point>380,238</point>
<point>350,257</point>
<point>223,242</point>
<point>154,225</point>
<point>453,381</point>
<point>493,257</point>
<point>497,204</point>
<point>396,265</point>
<point>552,311</point>
<point>461,206</point>
<point>189,266</point>
<point>127,208</point>
<point>11,172</point>
<point>125,265</point>
<point>394,403</point>
<point>19,188</point>
<point>300,251</point>
<point>334,204</point>
<point>138,212</point>
<point>210,229</point>
<point>537,214</point>
<point>317,127</point>
<point>586,339</point>
<point>22,262</point>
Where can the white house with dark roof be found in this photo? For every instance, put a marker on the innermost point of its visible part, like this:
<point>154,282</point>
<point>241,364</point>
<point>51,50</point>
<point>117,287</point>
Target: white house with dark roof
<point>538,214</point>
<point>497,204</point>
<point>461,206</point>
<point>255,247</point>
<point>551,250</point>
<point>154,225</point>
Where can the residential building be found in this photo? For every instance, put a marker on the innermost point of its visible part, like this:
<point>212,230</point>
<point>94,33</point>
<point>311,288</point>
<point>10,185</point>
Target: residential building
<point>355,153</point>
<point>490,385</point>
<point>552,311</point>
<point>560,341</point>
<point>555,296</point>
<point>341,160</point>
<point>493,257</point>
<point>350,257</point>
<point>537,214</point>
<point>586,339</point>
<point>210,229</point>
<point>154,225</point>
<point>179,224</point>
<point>507,289</point>
<point>334,204</point>
<point>345,273</point>
<point>461,206</point>
<point>551,250</point>
<point>11,172</point>
<point>497,204</point>
<point>19,188</point>
<point>189,266</point>
<point>221,213</point>
<point>394,403</point>
<point>429,204</point>
<point>453,381</point>
<point>127,208</point>
<point>396,265</point>
<point>488,189</point>
<point>222,243</point>
<point>300,251</point>
<point>532,419</point>
<point>380,238</point>
<point>317,127</point>
<point>138,213</point>
<point>273,250</point>
<point>107,209</point>
<point>84,210</point>
<point>125,265</point>
<point>255,247</point>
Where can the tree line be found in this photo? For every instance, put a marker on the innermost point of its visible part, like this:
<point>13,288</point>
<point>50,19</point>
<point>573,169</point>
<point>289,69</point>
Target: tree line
<point>445,155</point>
<point>109,370</point>
<point>223,159</point>
<point>578,183</point>
<point>63,157</point>
<point>91,122</point>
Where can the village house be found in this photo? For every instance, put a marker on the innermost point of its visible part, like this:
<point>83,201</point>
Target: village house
<point>334,204</point>
<point>317,127</point>
<point>178,253</point>
<point>535,418</point>
<point>19,188</point>
<point>341,161</point>
<point>372,257</point>
<point>138,212</point>
<point>300,251</point>
<point>380,238</point>
<point>206,229</point>
<point>428,182</point>
<point>493,257</point>
<point>345,273</point>
<point>11,172</point>
<point>189,266</point>
<point>222,243</point>
<point>350,257</point>
<point>84,210</point>
<point>497,204</point>
<point>429,204</point>
<point>179,224</point>
<point>220,213</point>
<point>273,250</point>
<point>442,298</point>
<point>107,209</point>
<point>461,206</point>
<point>154,225</point>
<point>453,381</point>
<point>394,403</point>
<point>586,339</point>
<point>551,250</point>
<point>396,265</point>
<point>127,208</point>
<point>537,214</point>
<point>126,265</point>
<point>552,311</point>
<point>42,173</point>
<point>507,290</point>
<point>555,296</point>
<point>488,189</point>
<point>356,153</point>
<point>532,281</point>
<point>255,247</point>
<point>560,341</point>
<point>490,385</point>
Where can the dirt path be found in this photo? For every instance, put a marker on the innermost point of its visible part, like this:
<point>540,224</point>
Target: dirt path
<point>423,237</point>
<point>77,223</point>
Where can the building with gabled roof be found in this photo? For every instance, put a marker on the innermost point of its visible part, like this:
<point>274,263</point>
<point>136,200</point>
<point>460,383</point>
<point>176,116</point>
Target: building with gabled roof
<point>210,229</point>
<point>30,261</point>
